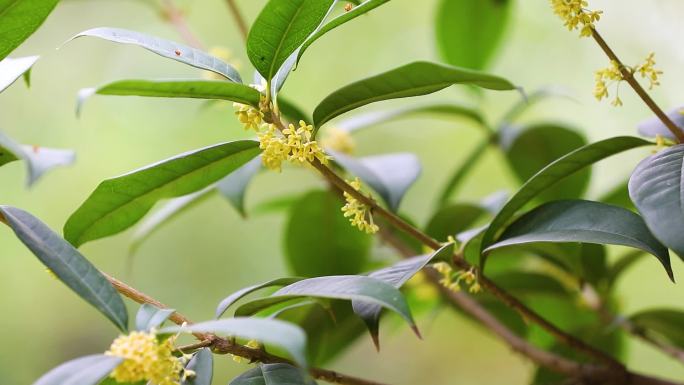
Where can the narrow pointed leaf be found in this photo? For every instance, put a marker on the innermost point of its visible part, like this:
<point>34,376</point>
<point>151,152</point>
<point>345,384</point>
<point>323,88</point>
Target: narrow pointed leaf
<point>665,322</point>
<point>414,79</point>
<point>88,370</point>
<point>39,160</point>
<point>151,317</point>
<point>19,19</point>
<point>396,275</point>
<point>166,48</point>
<point>285,335</point>
<point>194,89</point>
<point>357,11</point>
<point>285,374</point>
<point>12,69</point>
<point>67,264</point>
<point>202,364</point>
<point>390,175</point>
<point>253,376</point>
<point>345,287</point>
<point>280,28</point>
<point>234,186</point>
<point>579,221</point>
<point>118,203</point>
<point>470,31</point>
<point>552,174</point>
<point>657,189</point>
<point>231,299</point>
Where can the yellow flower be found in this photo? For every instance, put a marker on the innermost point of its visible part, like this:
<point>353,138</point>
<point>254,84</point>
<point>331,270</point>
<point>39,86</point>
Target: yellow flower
<point>338,140</point>
<point>145,359</point>
<point>294,145</point>
<point>575,15</point>
<point>249,116</point>
<point>358,213</point>
<point>648,71</point>
<point>613,74</point>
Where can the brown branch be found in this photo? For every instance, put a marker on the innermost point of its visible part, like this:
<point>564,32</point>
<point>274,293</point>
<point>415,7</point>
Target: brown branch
<point>239,20</point>
<point>176,18</point>
<point>629,78</point>
<point>225,346</point>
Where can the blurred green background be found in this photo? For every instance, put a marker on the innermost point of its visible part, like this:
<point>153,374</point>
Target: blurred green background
<point>210,252</point>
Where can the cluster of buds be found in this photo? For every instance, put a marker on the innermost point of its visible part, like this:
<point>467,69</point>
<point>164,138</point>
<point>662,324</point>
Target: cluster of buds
<point>358,213</point>
<point>293,144</point>
<point>576,15</point>
<point>146,358</point>
<point>453,280</point>
<point>338,140</point>
<point>613,74</point>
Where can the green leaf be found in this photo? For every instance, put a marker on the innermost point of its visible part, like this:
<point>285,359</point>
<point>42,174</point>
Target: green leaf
<point>253,376</point>
<point>166,48</point>
<point>231,299</point>
<point>273,374</point>
<point>656,188</point>
<point>665,322</point>
<point>369,119</point>
<point>532,148</point>
<point>19,19</point>
<point>151,317</point>
<point>345,287</point>
<point>292,111</point>
<point>67,264</point>
<point>585,222</point>
<point>88,370</point>
<point>194,89</point>
<point>39,160</point>
<point>454,219</point>
<point>470,31</point>
<point>12,69</point>
<point>552,174</point>
<point>118,203</point>
<point>284,335</point>
<point>202,364</point>
<point>337,248</point>
<point>280,28</point>
<point>390,175</point>
<point>396,275</point>
<point>357,11</point>
<point>414,79</point>
<point>233,186</point>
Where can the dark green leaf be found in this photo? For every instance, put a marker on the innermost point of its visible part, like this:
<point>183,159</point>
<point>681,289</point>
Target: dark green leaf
<point>414,79</point>
<point>280,28</point>
<point>166,48</point>
<point>231,299</point>
<point>195,89</point>
<point>454,219</point>
<point>656,188</point>
<point>337,247</point>
<point>396,275</point>
<point>267,331</point>
<point>19,19</point>
<point>67,264</point>
<point>253,376</point>
<point>284,374</point>
<point>555,172</point>
<point>119,203</point>
<point>233,186</point>
<point>532,148</point>
<point>292,111</point>
<point>88,370</point>
<point>390,175</point>
<point>586,222</point>
<point>12,69</point>
<point>345,287</point>
<point>151,317</point>
<point>39,160</point>
<point>202,364</point>
<point>469,31</point>
<point>665,322</point>
<point>357,11</point>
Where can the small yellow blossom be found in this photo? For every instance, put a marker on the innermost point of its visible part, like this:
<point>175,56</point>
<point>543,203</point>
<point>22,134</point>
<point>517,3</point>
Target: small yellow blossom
<point>145,359</point>
<point>293,144</point>
<point>576,15</point>
<point>648,71</point>
<point>358,213</point>
<point>453,281</point>
<point>51,273</point>
<point>338,140</point>
<point>249,116</point>
<point>252,344</point>
<point>613,74</point>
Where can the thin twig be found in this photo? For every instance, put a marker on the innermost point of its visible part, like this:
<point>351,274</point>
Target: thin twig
<point>239,19</point>
<point>176,18</point>
<point>629,78</point>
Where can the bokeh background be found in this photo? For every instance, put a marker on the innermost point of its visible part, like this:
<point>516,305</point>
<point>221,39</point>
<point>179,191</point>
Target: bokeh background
<point>211,251</point>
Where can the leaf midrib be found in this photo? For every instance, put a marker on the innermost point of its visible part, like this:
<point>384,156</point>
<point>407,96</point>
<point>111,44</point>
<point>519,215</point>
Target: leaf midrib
<point>276,53</point>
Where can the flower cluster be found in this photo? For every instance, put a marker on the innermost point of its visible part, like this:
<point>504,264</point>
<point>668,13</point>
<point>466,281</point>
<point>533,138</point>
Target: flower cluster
<point>293,144</point>
<point>575,14</point>
<point>249,116</point>
<point>145,359</point>
<point>452,281</point>
<point>338,140</point>
<point>358,213</point>
<point>613,74</point>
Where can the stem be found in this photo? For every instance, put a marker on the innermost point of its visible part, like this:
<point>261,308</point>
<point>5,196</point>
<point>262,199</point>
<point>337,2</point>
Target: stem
<point>239,20</point>
<point>629,78</point>
<point>225,346</point>
<point>176,18</point>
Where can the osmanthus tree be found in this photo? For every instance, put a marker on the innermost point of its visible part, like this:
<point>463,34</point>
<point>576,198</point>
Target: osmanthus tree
<point>552,299</point>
